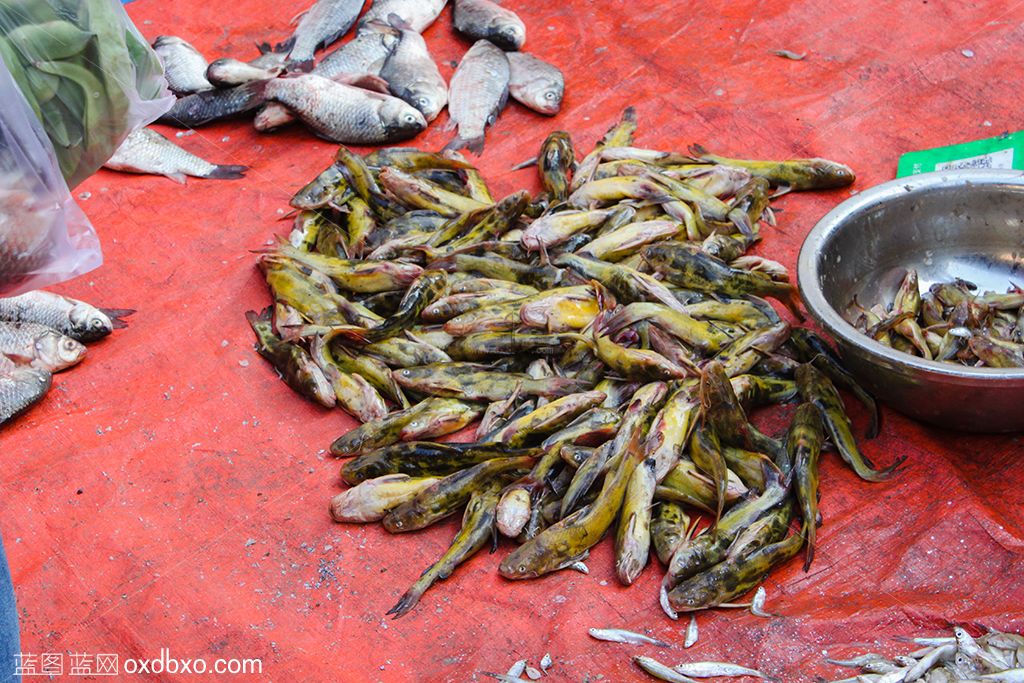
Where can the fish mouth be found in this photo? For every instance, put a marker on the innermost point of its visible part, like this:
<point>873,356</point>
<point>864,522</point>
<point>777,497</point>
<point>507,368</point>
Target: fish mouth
<point>549,108</point>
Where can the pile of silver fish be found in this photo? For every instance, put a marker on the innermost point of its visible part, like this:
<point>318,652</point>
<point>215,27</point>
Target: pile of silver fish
<point>994,656</point>
<point>951,322</point>
<point>609,337</point>
<point>380,87</point>
<point>42,333</point>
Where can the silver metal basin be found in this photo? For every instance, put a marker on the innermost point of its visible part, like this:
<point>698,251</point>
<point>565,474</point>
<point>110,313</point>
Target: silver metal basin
<point>948,224</point>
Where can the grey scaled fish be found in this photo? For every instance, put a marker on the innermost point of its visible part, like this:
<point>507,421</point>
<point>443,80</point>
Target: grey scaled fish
<point>477,94</point>
<point>228,72</point>
<point>39,346</point>
<point>535,84</point>
<point>77,319</point>
<point>201,108</point>
<point>364,54</point>
<point>321,25</point>
<point>343,113</point>
<point>147,151</point>
<point>486,20</point>
<point>184,66</point>
<point>412,75</point>
<point>418,14</point>
<point>20,388</point>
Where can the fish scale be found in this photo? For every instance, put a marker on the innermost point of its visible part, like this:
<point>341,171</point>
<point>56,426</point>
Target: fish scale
<point>20,388</point>
<point>342,113</point>
<point>477,93</point>
<point>147,151</point>
<point>321,25</point>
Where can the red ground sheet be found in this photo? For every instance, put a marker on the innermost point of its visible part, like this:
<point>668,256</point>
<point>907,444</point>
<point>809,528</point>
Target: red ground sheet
<point>172,493</point>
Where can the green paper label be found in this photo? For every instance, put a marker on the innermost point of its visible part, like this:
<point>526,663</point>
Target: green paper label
<point>1001,152</point>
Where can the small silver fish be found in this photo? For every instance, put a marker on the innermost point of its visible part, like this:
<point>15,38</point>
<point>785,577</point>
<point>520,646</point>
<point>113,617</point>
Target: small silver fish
<point>789,54</point>
<point>692,632</point>
<point>228,72</point>
<point>757,604</point>
<point>660,671</point>
<point>714,669</point>
<point>76,319</point>
<point>486,20</point>
<point>147,151</point>
<point>504,678</point>
<point>545,662</point>
<point>533,674</point>
<point>320,25</point>
<point>534,83</point>
<point>517,669</point>
<point>418,14</point>
<point>184,66</point>
<point>342,113</point>
<point>477,94</point>
<point>412,75</point>
<point>39,346</point>
<point>274,115</point>
<point>20,388</point>
<point>617,635</point>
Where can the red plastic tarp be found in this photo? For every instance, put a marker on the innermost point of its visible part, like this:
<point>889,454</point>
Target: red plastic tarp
<point>172,493</point>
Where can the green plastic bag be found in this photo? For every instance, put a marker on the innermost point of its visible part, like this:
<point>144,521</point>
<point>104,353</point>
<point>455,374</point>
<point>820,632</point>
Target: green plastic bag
<point>86,72</point>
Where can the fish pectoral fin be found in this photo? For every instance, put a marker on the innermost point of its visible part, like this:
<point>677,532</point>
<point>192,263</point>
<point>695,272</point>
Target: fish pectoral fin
<point>176,177</point>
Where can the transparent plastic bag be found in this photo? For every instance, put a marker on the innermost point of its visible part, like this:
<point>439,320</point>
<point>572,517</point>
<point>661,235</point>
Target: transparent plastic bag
<point>87,73</point>
<point>44,237</point>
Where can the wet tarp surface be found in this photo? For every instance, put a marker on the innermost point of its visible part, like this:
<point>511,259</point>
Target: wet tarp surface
<point>172,493</point>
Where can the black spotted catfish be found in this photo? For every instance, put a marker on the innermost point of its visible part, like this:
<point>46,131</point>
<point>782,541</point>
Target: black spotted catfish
<point>474,382</point>
<point>689,267</point>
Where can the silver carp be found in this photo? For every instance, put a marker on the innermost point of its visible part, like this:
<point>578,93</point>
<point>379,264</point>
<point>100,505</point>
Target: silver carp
<point>486,20</point>
<point>535,84</point>
<point>342,113</point>
<point>184,66</point>
<point>477,94</point>
<point>412,75</point>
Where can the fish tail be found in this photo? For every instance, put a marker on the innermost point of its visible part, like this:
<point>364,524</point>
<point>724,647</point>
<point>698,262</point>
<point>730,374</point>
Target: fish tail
<point>413,595</point>
<point>811,532</point>
<point>115,315</point>
<point>255,318</point>
<point>299,66</point>
<point>398,22</point>
<point>532,161</point>
<point>789,299</point>
<point>281,48</point>
<point>698,151</point>
<point>227,172</point>
<point>474,145</point>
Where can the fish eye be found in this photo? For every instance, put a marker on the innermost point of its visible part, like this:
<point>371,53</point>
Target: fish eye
<point>410,118</point>
<point>405,373</point>
<point>549,95</point>
<point>97,324</point>
<point>69,344</point>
